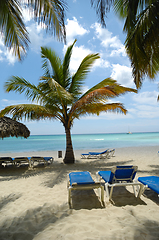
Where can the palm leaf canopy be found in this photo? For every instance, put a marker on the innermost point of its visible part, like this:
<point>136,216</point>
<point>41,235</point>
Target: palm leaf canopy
<point>59,94</point>
<point>141,26</point>
<point>48,13</point>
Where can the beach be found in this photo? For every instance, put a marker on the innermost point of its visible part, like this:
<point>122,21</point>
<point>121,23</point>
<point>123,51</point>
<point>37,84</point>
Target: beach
<point>34,202</point>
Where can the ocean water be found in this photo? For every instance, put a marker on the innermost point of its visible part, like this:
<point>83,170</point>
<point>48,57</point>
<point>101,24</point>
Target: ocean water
<point>80,142</point>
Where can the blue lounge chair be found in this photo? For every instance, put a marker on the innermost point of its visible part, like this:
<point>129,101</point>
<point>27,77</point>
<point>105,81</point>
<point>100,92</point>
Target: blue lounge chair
<point>82,181</point>
<point>118,176</point>
<point>45,160</point>
<point>151,182</point>
<point>103,154</point>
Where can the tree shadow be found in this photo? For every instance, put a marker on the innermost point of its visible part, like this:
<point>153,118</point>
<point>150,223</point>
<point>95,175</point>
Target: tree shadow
<point>148,230</point>
<point>7,199</point>
<point>32,222</point>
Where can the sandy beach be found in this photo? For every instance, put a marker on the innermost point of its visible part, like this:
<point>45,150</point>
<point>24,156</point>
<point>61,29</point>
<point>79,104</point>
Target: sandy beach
<point>34,203</point>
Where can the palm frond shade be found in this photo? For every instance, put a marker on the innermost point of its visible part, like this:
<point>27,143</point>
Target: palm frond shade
<point>59,94</point>
<point>12,128</point>
<point>49,14</point>
<point>142,29</point>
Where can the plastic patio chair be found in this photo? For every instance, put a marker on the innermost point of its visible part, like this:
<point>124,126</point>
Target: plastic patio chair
<point>119,176</point>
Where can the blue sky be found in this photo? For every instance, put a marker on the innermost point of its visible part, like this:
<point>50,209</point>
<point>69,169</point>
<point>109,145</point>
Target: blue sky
<point>82,24</point>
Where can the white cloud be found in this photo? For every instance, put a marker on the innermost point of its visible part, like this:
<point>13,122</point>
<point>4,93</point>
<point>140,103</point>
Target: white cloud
<point>147,111</point>
<point>38,36</point>
<point>109,41</point>
<point>101,63</point>
<point>27,13</point>
<point>7,102</point>
<point>74,29</point>
<point>122,74</point>
<point>5,53</point>
<point>147,98</point>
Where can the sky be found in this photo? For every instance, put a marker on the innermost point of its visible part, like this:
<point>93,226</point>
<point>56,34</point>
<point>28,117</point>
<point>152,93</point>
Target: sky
<point>82,24</point>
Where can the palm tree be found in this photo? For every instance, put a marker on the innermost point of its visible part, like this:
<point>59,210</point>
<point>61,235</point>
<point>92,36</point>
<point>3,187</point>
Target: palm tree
<point>59,95</point>
<point>48,13</point>
<point>141,26</point>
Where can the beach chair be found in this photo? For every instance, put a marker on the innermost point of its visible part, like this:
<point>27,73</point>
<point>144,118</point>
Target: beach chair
<point>82,181</point>
<point>99,155</point>
<point>6,161</point>
<point>39,160</point>
<point>151,182</point>
<point>111,153</point>
<point>18,161</point>
<point>119,176</point>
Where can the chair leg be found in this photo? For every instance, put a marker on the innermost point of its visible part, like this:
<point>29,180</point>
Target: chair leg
<point>141,190</point>
<point>107,190</point>
<point>102,193</point>
<point>111,192</point>
<point>134,190</point>
<point>69,195</point>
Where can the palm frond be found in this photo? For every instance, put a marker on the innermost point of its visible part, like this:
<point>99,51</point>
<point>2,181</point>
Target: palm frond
<point>142,44</point>
<point>108,88</point>
<point>102,8</point>
<point>66,64</point>
<point>80,75</point>
<point>28,111</point>
<point>13,28</point>
<point>56,90</point>
<point>141,26</point>
<point>97,108</point>
<point>51,64</point>
<point>51,15</point>
<point>21,85</point>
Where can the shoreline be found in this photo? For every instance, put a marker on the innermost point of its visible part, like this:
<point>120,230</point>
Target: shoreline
<point>34,203</point>
<point>121,150</point>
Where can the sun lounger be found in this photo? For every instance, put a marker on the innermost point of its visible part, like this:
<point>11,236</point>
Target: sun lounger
<point>151,182</point>
<point>82,181</point>
<point>44,160</point>
<point>111,153</point>
<point>6,161</point>
<point>119,176</point>
<point>21,161</point>
<point>103,154</point>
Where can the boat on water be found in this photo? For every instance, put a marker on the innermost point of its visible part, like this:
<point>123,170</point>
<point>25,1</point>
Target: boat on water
<point>129,132</point>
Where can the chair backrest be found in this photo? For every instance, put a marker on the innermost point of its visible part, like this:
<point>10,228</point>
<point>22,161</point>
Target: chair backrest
<point>104,151</point>
<point>80,178</point>
<point>123,173</point>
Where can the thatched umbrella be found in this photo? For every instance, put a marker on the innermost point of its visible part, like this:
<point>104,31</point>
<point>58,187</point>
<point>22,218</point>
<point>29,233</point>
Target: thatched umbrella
<point>10,127</point>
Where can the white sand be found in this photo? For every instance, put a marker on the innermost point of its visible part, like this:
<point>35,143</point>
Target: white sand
<point>33,203</point>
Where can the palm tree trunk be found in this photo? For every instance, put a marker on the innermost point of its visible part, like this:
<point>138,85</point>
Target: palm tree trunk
<point>69,155</point>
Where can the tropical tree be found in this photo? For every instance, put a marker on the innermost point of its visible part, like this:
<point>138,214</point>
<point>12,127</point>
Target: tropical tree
<point>49,13</point>
<point>142,28</point>
<point>141,19</point>
<point>59,94</point>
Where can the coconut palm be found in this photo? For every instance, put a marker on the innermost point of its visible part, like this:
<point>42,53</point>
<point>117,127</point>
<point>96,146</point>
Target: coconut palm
<point>141,26</point>
<point>59,94</point>
<point>48,13</point>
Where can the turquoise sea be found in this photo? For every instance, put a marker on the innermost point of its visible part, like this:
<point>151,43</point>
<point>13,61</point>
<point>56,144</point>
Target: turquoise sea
<point>80,142</point>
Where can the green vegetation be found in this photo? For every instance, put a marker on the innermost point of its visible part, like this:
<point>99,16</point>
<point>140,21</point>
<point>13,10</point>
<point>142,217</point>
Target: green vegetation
<point>59,94</point>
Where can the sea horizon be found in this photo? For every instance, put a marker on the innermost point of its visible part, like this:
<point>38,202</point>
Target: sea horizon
<point>81,142</point>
